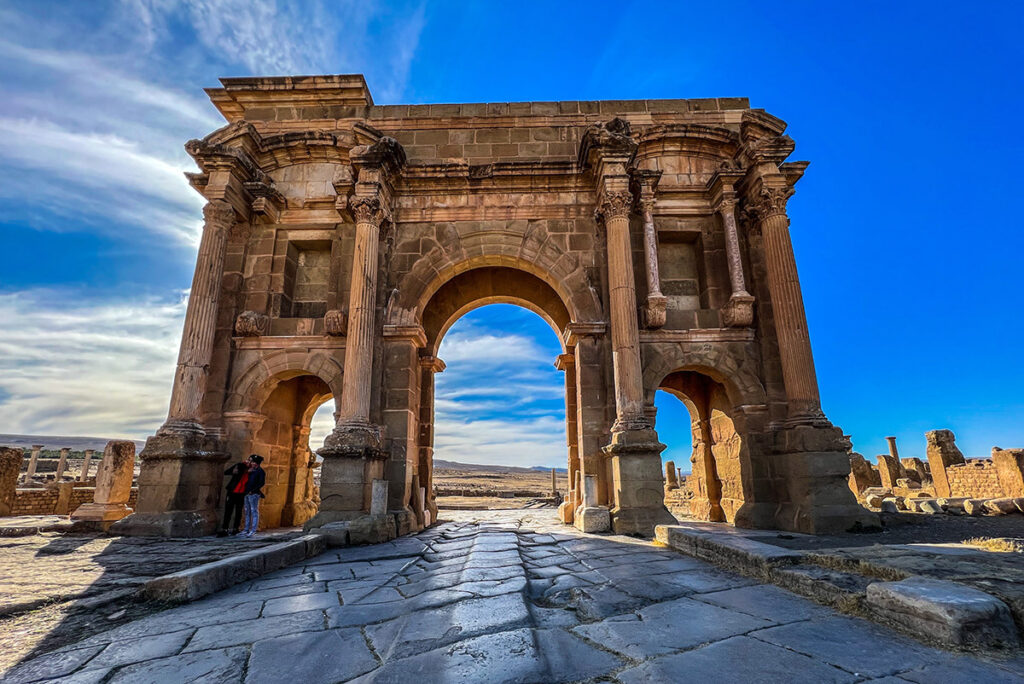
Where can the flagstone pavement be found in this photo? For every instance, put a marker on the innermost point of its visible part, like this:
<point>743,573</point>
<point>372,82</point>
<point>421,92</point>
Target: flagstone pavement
<point>505,596</point>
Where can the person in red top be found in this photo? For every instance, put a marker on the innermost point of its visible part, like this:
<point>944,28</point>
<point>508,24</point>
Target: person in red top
<point>235,500</point>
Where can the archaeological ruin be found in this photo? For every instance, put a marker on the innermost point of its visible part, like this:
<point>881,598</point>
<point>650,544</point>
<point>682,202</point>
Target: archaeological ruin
<point>342,239</point>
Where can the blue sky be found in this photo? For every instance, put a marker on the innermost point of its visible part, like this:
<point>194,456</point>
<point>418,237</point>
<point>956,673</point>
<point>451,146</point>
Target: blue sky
<point>906,226</point>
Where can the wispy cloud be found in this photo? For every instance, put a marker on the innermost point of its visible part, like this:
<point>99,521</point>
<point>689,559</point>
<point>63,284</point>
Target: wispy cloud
<point>89,368</point>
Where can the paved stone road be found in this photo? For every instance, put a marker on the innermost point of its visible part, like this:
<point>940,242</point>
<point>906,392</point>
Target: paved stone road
<point>513,597</point>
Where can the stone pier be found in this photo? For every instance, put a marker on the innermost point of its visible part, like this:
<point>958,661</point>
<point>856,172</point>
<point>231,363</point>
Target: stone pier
<point>10,468</point>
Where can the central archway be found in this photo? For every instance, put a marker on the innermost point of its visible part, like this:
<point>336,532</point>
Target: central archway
<point>462,293</point>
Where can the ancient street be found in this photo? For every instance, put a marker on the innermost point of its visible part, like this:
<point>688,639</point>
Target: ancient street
<point>505,596</point>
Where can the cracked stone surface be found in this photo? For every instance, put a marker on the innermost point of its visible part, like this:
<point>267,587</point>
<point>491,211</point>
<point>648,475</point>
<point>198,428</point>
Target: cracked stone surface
<point>504,596</point>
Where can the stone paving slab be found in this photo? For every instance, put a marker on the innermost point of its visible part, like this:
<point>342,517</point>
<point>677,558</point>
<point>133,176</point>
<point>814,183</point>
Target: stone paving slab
<point>511,596</point>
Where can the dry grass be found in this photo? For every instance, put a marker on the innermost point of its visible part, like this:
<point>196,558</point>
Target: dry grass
<point>998,544</point>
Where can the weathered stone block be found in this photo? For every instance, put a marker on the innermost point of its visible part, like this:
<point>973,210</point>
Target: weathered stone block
<point>947,611</point>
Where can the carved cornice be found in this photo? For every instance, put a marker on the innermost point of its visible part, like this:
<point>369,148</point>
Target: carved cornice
<point>565,361</point>
<point>645,184</point>
<point>386,154</point>
<point>612,138</point>
<point>576,330</point>
<point>432,363</point>
<point>214,157</point>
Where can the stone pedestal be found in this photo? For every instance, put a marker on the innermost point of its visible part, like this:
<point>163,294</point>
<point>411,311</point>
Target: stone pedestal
<point>353,458</point>
<point>10,468</point>
<point>179,487</point>
<point>113,486</point>
<point>639,487</point>
<point>590,517</point>
<point>811,469</point>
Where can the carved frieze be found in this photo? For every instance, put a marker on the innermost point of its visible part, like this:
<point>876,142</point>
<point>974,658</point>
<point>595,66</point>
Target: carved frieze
<point>251,324</point>
<point>336,323</point>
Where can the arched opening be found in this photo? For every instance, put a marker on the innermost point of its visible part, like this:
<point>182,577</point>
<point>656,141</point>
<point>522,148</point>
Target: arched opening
<point>500,399</point>
<point>716,487</point>
<point>280,430</point>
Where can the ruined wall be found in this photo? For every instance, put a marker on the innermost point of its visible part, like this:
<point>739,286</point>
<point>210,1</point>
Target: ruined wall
<point>976,479</point>
<point>49,501</point>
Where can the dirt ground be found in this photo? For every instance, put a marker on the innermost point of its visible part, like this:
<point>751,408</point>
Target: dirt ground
<point>916,528</point>
<point>508,481</point>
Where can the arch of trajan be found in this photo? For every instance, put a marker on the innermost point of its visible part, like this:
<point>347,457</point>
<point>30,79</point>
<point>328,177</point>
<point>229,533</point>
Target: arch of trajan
<point>342,239</point>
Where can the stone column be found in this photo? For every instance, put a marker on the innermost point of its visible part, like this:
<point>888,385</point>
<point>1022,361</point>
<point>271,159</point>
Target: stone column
<point>656,308</point>
<point>892,448</point>
<point>200,322</point>
<point>635,449</point>
<point>62,464</point>
<point>567,364</point>
<point>84,475</point>
<point>33,462</point>
<point>181,478</point>
<point>671,479</point>
<point>739,311</point>
<point>429,367</point>
<point>354,453</point>
<point>113,486</point>
<point>788,307</point>
<point>10,469</point>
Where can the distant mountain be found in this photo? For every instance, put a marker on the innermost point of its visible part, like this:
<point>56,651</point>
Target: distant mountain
<point>54,442</point>
<point>479,467</point>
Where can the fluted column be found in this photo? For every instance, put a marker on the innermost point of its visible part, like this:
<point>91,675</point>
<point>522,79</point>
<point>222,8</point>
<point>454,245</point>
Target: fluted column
<point>655,310</point>
<point>788,306</point>
<point>739,311</point>
<point>200,321</point>
<point>629,395</point>
<point>355,397</point>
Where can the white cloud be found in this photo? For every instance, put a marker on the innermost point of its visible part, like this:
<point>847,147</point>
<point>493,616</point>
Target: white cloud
<point>540,441</point>
<point>100,369</point>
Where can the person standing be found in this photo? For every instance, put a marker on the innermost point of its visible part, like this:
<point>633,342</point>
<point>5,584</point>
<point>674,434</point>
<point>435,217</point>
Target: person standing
<point>253,493</point>
<point>235,499</point>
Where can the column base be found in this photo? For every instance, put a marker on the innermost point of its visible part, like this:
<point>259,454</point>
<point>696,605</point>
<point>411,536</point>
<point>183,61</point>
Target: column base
<point>811,468</point>
<point>179,485</point>
<point>655,311</point>
<point>353,458</point>
<point>591,519</point>
<point>98,517</point>
<point>738,311</point>
<point>637,481</point>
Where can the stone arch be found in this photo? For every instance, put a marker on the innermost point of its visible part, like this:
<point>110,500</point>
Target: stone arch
<point>478,287</point>
<point>740,380</point>
<point>521,245</point>
<point>253,385</point>
<point>720,483</point>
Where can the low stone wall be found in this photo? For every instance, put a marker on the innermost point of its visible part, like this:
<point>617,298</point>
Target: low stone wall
<point>57,500</point>
<point>977,478</point>
<point>492,493</point>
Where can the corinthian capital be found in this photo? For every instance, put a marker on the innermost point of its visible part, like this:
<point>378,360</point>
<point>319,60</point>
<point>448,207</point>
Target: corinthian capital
<point>771,202</point>
<point>219,214</point>
<point>367,209</point>
<point>616,204</point>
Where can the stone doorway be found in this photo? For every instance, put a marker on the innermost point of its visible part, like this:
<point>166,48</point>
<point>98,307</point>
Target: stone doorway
<point>720,472</point>
<point>278,429</point>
